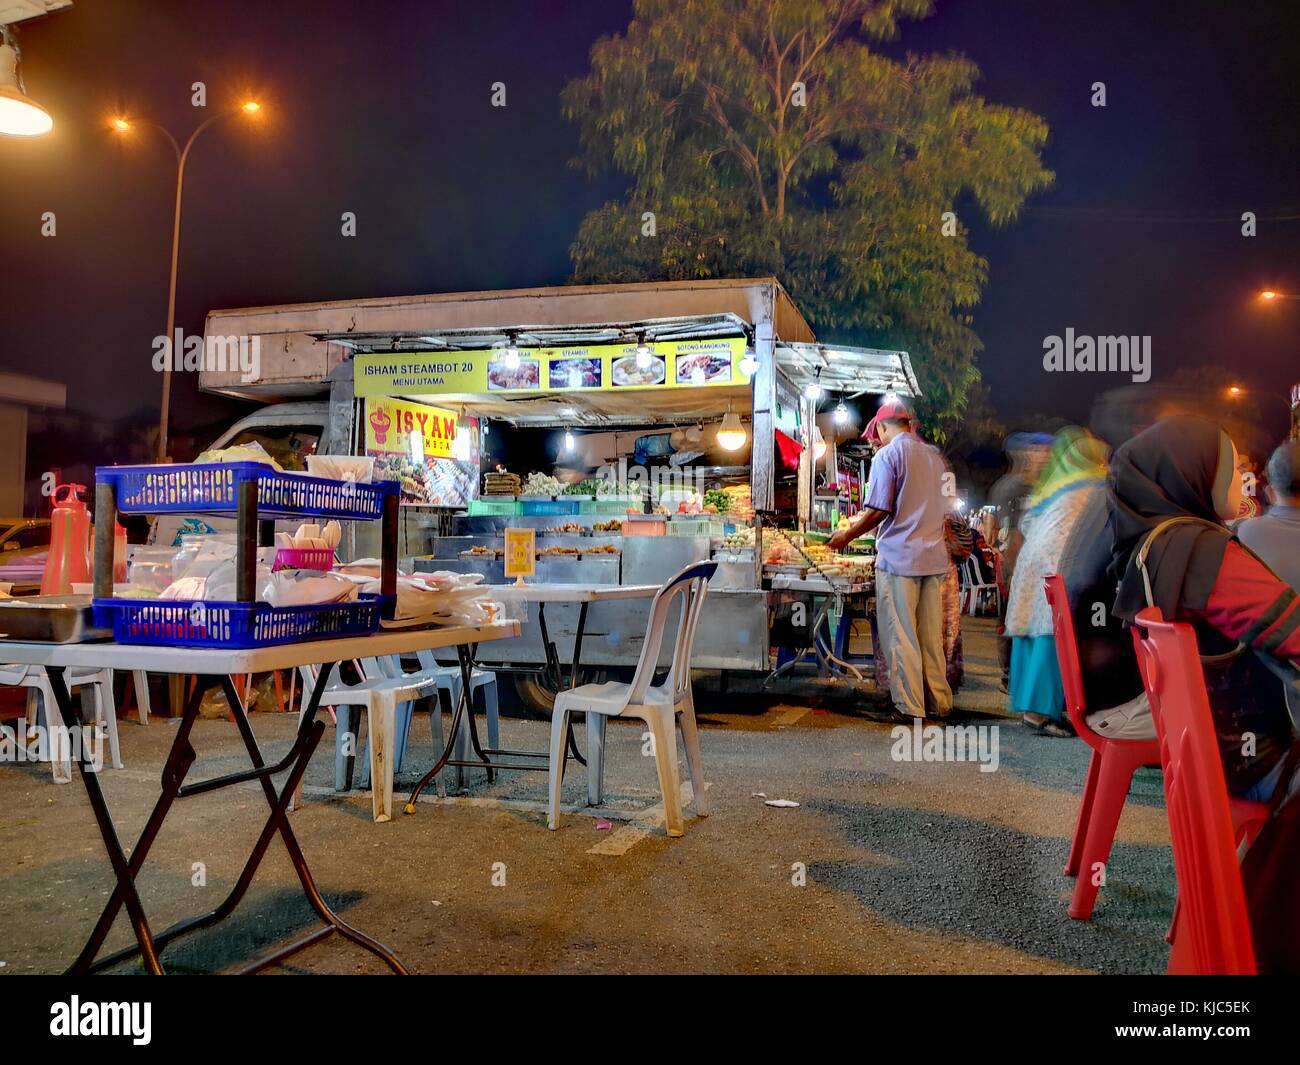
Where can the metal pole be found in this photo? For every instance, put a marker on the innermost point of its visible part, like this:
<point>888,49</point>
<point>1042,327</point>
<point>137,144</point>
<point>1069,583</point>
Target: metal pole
<point>181,157</point>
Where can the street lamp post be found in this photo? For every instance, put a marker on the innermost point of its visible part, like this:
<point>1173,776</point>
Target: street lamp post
<point>122,126</point>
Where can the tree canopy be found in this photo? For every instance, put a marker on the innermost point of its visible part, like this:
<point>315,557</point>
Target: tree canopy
<point>776,137</point>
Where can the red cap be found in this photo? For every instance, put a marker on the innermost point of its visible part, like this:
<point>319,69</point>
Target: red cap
<point>890,410</point>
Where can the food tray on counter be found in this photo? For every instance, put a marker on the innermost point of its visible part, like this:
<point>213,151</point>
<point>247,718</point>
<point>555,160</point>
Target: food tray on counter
<point>49,619</point>
<point>606,506</point>
<point>200,488</point>
<point>507,506</point>
<point>198,623</point>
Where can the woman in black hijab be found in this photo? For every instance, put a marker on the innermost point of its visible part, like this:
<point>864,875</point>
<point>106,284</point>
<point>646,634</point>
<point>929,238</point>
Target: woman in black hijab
<point>1183,471</point>
<point>1175,484</point>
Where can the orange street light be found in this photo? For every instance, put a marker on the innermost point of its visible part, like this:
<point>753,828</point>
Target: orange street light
<point>122,126</point>
<point>1269,295</point>
<point>1235,390</point>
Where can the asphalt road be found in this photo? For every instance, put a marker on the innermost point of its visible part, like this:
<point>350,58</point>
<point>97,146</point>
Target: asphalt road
<point>885,866</point>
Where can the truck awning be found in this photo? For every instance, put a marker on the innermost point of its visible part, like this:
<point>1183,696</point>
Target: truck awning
<point>848,370</point>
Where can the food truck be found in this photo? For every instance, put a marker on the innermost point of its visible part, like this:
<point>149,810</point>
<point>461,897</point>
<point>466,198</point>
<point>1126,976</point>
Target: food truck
<point>635,427</point>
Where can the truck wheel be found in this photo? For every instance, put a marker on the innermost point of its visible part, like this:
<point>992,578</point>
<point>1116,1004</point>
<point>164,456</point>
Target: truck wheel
<point>535,694</point>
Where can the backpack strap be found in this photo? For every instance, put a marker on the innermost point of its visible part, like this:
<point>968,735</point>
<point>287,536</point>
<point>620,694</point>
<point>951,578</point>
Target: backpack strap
<point>1145,549</point>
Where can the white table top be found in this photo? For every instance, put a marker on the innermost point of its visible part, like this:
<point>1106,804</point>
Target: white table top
<point>788,582</point>
<point>570,593</point>
<point>214,661</point>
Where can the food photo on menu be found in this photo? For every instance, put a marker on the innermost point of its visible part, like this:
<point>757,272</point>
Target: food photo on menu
<point>527,374</point>
<point>575,373</point>
<point>626,372</point>
<point>703,369</point>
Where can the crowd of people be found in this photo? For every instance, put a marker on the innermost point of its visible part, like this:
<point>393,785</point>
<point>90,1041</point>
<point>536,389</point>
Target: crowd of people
<point>1164,521</point>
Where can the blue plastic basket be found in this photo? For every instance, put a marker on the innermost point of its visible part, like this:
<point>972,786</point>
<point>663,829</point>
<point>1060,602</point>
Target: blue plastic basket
<point>548,507</point>
<point>214,488</point>
<point>195,623</point>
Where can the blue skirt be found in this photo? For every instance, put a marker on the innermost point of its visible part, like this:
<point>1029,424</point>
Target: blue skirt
<point>1035,684</point>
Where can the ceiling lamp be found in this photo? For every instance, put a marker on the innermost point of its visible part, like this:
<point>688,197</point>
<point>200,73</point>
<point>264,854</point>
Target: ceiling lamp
<point>819,444</point>
<point>568,440</point>
<point>731,434</point>
<point>511,354</point>
<point>749,364</point>
<point>644,353</point>
<point>460,446</point>
<point>20,115</point>
<point>841,415</point>
<point>813,389</point>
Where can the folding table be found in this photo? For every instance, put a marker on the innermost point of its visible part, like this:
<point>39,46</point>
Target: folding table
<point>221,665</point>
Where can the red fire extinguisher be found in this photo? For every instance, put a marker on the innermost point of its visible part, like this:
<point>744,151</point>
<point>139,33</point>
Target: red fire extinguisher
<point>68,560</point>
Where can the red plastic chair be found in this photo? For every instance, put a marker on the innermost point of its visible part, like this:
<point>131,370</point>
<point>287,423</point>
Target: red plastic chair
<point>1110,769</point>
<point>1213,930</point>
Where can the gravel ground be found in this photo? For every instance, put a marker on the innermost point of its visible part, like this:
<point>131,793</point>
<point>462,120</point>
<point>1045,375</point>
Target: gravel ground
<point>885,866</point>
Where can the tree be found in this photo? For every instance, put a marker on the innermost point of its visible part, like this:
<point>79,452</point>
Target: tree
<point>773,137</point>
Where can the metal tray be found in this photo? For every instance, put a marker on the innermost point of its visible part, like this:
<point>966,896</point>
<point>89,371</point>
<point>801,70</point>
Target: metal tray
<point>49,619</point>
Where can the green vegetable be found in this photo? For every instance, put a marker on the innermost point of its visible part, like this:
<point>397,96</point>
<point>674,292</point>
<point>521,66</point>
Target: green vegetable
<point>718,498</point>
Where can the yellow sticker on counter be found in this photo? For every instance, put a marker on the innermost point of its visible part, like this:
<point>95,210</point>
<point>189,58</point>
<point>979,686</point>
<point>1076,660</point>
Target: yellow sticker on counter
<point>521,552</point>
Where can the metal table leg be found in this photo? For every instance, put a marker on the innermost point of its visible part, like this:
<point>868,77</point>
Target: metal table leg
<point>179,761</point>
<point>126,891</point>
<point>465,707</point>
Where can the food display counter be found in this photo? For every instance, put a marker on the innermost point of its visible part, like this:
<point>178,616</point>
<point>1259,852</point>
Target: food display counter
<point>733,628</point>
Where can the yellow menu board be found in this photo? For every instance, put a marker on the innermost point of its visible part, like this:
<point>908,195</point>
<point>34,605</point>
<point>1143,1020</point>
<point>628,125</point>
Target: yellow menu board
<point>521,553</point>
<point>592,368</point>
<point>390,423</point>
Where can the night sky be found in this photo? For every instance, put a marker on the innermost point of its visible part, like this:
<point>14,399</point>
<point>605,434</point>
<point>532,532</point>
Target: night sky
<point>383,109</point>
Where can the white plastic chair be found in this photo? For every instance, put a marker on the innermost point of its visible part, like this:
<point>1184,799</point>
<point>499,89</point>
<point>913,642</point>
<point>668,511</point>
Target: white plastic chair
<point>659,706</point>
<point>59,752</point>
<point>974,589</point>
<point>379,695</point>
<point>140,681</point>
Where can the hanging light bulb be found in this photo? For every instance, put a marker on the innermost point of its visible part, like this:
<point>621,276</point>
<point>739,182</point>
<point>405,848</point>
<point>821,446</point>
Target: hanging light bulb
<point>644,353</point>
<point>20,115</point>
<point>749,364</point>
<point>568,440</point>
<point>460,446</point>
<point>511,355</point>
<point>841,413</point>
<point>813,389</point>
<point>819,444</point>
<point>415,444</point>
<point>731,433</point>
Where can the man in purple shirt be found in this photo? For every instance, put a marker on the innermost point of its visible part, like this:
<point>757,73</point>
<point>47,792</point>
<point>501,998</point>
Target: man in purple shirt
<point>906,499</point>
